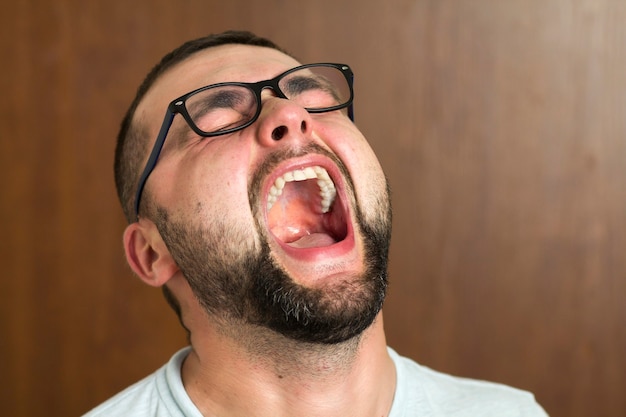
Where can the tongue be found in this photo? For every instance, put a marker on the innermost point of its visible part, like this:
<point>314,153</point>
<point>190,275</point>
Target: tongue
<point>314,240</point>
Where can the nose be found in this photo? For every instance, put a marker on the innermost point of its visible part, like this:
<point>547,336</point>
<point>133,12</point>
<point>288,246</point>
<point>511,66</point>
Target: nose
<point>282,119</point>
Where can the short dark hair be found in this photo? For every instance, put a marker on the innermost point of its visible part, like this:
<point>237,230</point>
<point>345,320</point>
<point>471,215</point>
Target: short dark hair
<point>132,143</point>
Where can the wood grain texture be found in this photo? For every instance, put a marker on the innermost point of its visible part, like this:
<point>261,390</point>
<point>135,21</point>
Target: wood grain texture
<point>502,129</point>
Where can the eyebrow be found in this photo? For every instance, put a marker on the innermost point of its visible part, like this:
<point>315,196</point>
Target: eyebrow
<point>301,83</point>
<point>220,97</point>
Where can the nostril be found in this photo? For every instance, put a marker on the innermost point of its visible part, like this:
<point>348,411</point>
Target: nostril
<point>279,132</point>
<point>303,126</point>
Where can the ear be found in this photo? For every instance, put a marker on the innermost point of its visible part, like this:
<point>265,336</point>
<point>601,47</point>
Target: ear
<point>147,254</point>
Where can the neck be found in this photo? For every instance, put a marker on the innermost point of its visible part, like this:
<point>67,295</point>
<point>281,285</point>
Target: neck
<point>253,372</point>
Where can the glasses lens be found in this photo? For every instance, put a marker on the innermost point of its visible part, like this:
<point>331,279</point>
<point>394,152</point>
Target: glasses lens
<point>317,88</point>
<point>221,108</point>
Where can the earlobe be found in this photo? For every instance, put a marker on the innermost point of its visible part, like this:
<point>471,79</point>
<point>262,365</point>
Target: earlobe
<point>147,254</point>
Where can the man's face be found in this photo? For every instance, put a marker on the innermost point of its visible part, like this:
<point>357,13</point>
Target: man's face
<point>284,224</point>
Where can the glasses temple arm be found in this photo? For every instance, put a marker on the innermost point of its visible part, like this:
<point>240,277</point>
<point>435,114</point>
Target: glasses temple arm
<point>152,160</point>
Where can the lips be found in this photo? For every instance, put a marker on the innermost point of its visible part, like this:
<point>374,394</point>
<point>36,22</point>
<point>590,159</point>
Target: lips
<point>305,210</point>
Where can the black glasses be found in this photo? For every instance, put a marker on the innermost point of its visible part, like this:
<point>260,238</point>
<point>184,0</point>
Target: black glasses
<point>223,108</point>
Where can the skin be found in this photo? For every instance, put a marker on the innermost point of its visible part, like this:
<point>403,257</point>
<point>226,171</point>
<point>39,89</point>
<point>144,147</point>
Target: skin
<point>234,369</point>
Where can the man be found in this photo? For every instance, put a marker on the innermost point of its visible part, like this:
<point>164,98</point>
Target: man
<point>260,209</point>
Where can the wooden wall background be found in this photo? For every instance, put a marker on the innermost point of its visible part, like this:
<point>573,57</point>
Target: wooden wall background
<point>501,125</point>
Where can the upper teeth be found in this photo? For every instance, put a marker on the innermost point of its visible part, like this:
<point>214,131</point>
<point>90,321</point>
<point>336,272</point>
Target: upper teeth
<point>328,192</point>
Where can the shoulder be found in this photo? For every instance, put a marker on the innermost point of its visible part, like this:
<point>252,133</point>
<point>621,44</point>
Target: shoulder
<point>159,394</point>
<point>442,394</point>
<point>137,400</point>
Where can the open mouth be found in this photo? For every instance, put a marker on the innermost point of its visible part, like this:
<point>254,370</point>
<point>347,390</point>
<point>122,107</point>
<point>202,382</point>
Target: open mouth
<point>304,210</point>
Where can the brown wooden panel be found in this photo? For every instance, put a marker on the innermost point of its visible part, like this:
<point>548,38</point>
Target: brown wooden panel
<point>510,167</point>
<point>501,125</point>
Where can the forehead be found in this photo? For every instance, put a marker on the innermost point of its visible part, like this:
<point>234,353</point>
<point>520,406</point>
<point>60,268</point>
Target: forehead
<point>213,65</point>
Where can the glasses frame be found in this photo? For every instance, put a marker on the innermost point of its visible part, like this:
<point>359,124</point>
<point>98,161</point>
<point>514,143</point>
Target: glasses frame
<point>177,106</point>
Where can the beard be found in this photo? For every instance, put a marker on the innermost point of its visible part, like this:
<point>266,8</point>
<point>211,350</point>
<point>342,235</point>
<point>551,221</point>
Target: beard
<point>237,281</point>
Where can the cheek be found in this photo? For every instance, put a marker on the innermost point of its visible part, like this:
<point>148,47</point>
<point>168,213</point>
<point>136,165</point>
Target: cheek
<point>370,183</point>
<point>366,172</point>
<point>207,189</point>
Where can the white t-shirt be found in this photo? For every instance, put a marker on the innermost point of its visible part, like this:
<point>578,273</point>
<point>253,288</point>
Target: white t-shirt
<point>420,392</point>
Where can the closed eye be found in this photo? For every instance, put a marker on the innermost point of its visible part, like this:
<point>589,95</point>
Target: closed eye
<point>218,98</point>
<point>221,108</point>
